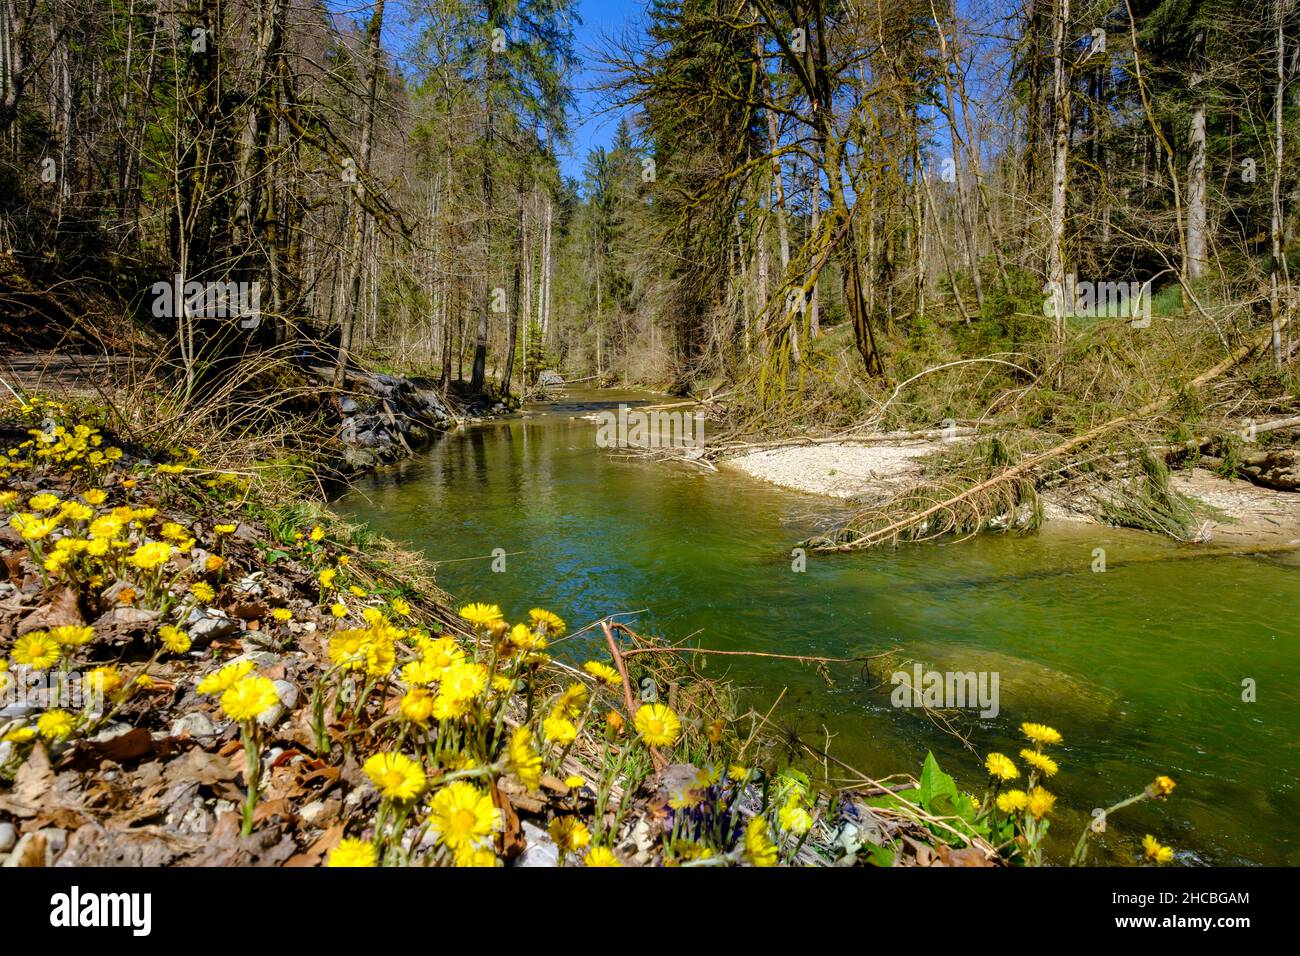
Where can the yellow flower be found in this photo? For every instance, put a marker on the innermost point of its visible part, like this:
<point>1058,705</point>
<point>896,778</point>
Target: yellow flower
<point>327,577</point>
<point>173,531</point>
<point>55,725</point>
<point>554,623</point>
<point>1040,762</point>
<point>657,725</point>
<point>481,615</point>
<point>737,772</point>
<point>715,729</point>
<point>356,591</point>
<point>574,782</point>
<point>170,469</point>
<point>72,635</point>
<point>795,819</point>
<point>203,591</point>
<point>445,708</point>
<point>614,721</point>
<point>31,527</point>
<point>317,533</point>
<point>338,610</point>
<point>221,680</point>
<point>464,681</point>
<point>1155,851</point>
<point>214,563</point>
<point>759,850</point>
<point>417,705</point>
<point>481,857</point>
<point>20,735</point>
<point>401,607</point>
<point>104,680</point>
<point>559,731</point>
<point>1041,802</point>
<point>569,833</point>
<point>1040,733</point>
<point>151,555</point>
<point>249,698</point>
<point>224,528</point>
<point>1013,801</point>
<point>348,649</point>
<point>1162,786</point>
<point>45,501</point>
<point>603,673</point>
<point>1000,766</point>
<point>174,639</point>
<point>95,496</point>
<point>395,775</point>
<point>8,499</point>
<point>381,658</point>
<point>352,852</point>
<point>282,614</point>
<point>524,637</point>
<point>524,759</point>
<point>601,856</point>
<point>463,816</point>
<point>37,650</point>
<point>570,703</point>
<point>76,511</point>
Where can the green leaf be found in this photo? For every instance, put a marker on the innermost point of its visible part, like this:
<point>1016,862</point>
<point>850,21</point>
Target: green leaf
<point>938,791</point>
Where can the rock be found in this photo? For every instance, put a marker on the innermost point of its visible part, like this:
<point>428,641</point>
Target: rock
<point>288,695</point>
<point>320,813</point>
<point>347,406</point>
<point>541,849</point>
<point>111,732</point>
<point>8,836</point>
<point>205,624</point>
<point>13,711</point>
<point>259,659</point>
<point>196,724</point>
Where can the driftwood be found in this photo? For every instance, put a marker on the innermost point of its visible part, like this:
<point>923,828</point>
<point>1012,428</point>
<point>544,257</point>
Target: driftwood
<point>892,530</point>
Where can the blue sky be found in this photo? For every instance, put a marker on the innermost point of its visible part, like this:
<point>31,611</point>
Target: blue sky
<point>588,127</point>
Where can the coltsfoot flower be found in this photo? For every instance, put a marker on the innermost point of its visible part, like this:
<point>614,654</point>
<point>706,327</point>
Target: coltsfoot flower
<point>603,673</point>
<point>1041,802</point>
<point>1000,766</point>
<point>553,622</point>
<point>481,615</point>
<point>657,725</point>
<point>569,833</point>
<point>220,681</point>
<point>463,816</point>
<point>396,776</point>
<point>174,639</point>
<point>1040,733</point>
<point>37,650</point>
<point>1155,851</point>
<point>525,761</point>
<point>352,852</point>
<point>1012,801</point>
<point>759,849</point>
<point>1040,762</point>
<point>55,725</point>
<point>601,856</point>
<point>249,698</point>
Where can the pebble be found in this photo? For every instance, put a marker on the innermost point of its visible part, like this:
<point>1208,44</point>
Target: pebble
<point>541,850</point>
<point>196,724</point>
<point>8,837</point>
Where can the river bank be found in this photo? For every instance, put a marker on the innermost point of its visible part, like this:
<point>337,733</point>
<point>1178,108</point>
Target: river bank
<point>1230,512</point>
<point>195,675</point>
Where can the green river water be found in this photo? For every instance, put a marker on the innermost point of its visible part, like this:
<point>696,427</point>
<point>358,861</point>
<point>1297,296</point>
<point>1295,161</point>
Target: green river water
<point>1141,668</point>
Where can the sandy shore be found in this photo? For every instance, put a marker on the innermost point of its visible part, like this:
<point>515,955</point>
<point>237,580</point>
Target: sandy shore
<point>838,470</point>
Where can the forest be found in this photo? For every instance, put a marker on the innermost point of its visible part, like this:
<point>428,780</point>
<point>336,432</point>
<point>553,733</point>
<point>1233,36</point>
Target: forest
<point>958,337</point>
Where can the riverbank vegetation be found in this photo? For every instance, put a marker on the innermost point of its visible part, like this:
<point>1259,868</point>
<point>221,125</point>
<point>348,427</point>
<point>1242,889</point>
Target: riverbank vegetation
<point>237,685</point>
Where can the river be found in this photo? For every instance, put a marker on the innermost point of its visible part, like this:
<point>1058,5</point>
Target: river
<point>1141,668</point>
